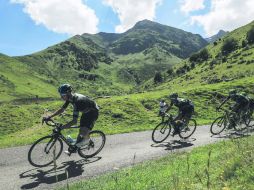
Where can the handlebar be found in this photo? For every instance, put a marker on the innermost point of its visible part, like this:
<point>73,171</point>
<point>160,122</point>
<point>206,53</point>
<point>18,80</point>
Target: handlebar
<point>51,122</point>
<point>167,115</point>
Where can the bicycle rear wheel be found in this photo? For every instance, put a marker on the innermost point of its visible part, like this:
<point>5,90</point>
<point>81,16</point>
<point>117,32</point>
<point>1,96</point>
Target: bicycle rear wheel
<point>96,144</point>
<point>218,126</point>
<point>249,121</point>
<point>188,130</point>
<point>161,132</point>
<point>44,150</point>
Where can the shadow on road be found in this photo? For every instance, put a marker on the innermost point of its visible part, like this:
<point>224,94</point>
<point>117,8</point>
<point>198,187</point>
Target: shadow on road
<point>70,168</point>
<point>232,135</point>
<point>176,144</point>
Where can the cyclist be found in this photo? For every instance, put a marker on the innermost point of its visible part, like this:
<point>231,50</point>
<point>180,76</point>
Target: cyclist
<point>251,103</point>
<point>163,108</point>
<point>241,105</point>
<point>83,104</point>
<point>185,110</point>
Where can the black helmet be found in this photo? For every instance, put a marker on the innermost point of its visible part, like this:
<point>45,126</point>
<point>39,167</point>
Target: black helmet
<point>173,96</point>
<point>64,89</point>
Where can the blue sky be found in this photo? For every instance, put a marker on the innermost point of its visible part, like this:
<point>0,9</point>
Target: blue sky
<point>28,26</point>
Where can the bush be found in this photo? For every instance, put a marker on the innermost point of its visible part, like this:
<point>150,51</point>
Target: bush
<point>170,71</point>
<point>203,55</point>
<point>244,43</point>
<point>158,77</point>
<point>250,36</point>
<point>229,45</point>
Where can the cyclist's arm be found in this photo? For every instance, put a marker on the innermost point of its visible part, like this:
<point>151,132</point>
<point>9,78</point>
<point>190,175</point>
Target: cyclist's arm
<point>73,121</point>
<point>169,107</point>
<point>61,110</point>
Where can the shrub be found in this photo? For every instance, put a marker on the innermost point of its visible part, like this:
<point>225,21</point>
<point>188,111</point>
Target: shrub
<point>250,36</point>
<point>203,55</point>
<point>158,77</point>
<point>244,43</point>
<point>229,45</point>
<point>170,71</point>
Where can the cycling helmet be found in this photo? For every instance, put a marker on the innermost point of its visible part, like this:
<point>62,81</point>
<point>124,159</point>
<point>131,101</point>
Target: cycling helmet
<point>173,96</point>
<point>64,89</point>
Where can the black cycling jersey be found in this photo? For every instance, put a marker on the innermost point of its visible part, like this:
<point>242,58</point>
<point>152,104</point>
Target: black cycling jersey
<point>182,103</point>
<point>239,99</point>
<point>80,103</point>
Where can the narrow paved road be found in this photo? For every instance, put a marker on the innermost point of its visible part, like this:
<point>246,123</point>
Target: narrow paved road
<point>120,150</point>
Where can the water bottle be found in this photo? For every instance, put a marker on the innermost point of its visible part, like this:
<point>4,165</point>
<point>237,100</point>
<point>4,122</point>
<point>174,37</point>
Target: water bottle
<point>70,140</point>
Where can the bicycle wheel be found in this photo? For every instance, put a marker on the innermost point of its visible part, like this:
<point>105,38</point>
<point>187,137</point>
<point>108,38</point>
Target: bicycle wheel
<point>188,130</point>
<point>42,152</point>
<point>96,144</point>
<point>240,123</point>
<point>218,125</point>
<point>161,132</point>
<point>249,121</point>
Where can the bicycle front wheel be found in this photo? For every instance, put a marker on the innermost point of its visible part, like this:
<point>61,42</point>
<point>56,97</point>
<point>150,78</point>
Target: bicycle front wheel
<point>218,126</point>
<point>161,132</point>
<point>43,152</point>
<point>188,130</point>
<point>96,144</point>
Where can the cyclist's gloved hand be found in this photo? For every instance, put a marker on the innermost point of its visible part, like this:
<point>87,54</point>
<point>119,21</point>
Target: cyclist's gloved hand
<point>44,119</point>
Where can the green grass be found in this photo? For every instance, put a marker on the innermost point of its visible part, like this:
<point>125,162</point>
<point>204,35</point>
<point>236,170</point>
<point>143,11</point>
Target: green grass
<point>225,165</point>
<point>118,114</point>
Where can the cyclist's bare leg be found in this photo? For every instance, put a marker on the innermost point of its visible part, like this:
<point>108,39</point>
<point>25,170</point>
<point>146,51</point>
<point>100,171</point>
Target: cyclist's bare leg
<point>84,133</point>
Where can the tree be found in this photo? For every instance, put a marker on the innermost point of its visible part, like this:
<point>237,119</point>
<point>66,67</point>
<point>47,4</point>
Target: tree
<point>204,54</point>
<point>250,36</point>
<point>170,71</point>
<point>158,77</point>
<point>229,45</point>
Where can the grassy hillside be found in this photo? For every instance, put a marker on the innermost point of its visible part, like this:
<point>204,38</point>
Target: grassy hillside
<point>214,68</point>
<point>205,84</point>
<point>225,165</point>
<point>128,59</point>
<point>19,81</point>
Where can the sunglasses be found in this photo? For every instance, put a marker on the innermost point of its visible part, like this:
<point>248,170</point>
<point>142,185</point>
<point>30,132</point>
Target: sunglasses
<point>63,95</point>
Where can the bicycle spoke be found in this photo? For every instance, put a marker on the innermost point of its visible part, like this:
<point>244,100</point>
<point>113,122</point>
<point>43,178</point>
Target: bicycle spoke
<point>41,153</point>
<point>161,132</point>
<point>97,142</point>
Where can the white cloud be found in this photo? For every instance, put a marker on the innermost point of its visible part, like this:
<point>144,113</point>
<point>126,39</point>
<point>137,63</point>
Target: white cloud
<point>68,16</point>
<point>226,15</point>
<point>132,11</point>
<point>188,6</point>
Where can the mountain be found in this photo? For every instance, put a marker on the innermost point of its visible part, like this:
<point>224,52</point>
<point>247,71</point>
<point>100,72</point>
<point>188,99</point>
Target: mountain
<point>147,34</point>
<point>108,63</point>
<point>205,78</point>
<point>228,62</point>
<point>217,36</point>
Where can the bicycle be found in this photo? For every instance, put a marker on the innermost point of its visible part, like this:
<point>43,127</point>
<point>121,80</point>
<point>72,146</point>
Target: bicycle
<point>45,150</point>
<point>239,122</point>
<point>249,118</point>
<point>163,129</point>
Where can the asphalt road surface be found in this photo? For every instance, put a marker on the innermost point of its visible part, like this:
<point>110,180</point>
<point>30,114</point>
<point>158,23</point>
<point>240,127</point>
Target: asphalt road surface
<point>119,151</point>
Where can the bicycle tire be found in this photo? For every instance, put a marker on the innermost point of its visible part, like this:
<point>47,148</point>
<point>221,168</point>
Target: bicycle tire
<point>249,121</point>
<point>164,126</point>
<point>181,134</point>
<point>44,146</point>
<point>219,120</point>
<point>83,151</point>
